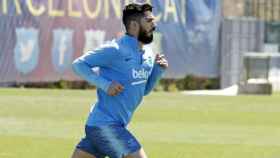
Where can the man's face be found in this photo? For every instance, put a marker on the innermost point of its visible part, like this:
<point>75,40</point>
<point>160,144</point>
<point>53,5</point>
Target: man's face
<point>147,27</point>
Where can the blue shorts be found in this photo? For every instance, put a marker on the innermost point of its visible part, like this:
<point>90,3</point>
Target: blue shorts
<point>111,140</point>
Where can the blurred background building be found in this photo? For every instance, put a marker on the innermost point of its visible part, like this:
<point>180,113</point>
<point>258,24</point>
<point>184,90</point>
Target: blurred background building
<point>266,10</point>
<point>250,26</point>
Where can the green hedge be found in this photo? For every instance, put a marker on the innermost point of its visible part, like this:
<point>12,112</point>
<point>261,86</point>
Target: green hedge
<point>190,82</point>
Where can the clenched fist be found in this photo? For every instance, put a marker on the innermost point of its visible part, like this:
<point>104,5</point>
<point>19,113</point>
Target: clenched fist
<point>115,88</point>
<point>161,60</point>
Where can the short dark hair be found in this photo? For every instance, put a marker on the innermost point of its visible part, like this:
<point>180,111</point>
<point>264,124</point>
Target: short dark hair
<point>133,11</point>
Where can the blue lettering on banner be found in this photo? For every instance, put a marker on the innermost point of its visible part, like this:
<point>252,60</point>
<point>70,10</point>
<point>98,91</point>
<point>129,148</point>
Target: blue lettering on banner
<point>26,51</point>
<point>62,51</point>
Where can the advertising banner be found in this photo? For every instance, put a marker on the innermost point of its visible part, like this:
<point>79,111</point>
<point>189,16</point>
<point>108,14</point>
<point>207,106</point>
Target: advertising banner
<point>40,38</point>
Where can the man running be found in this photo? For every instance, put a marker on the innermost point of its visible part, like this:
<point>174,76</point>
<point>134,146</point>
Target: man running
<point>127,72</point>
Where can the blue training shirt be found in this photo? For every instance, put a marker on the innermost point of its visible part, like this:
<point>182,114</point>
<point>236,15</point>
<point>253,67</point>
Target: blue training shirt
<point>122,61</point>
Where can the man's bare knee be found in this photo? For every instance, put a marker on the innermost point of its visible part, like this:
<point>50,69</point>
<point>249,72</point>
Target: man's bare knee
<point>138,154</point>
<point>81,154</point>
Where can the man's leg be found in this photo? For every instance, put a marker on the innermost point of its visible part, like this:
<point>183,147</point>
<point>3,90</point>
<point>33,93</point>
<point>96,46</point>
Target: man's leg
<point>85,149</point>
<point>81,154</point>
<point>138,154</point>
<point>115,141</point>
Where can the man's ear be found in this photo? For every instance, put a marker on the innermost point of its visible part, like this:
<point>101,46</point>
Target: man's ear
<point>135,25</point>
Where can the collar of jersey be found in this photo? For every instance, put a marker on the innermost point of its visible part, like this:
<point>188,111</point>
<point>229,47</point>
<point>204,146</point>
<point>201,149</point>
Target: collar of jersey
<point>132,42</point>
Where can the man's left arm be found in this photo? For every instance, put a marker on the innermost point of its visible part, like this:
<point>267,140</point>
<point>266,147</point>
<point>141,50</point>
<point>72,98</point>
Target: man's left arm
<point>158,69</point>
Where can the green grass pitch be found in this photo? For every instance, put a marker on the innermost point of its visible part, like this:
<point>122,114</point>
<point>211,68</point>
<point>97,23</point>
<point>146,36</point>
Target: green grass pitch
<point>48,123</point>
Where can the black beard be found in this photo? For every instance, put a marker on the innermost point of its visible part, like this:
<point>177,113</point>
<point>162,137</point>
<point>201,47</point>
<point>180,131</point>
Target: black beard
<point>144,38</point>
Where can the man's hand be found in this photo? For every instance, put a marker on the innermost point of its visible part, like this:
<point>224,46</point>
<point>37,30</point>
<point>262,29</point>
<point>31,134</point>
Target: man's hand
<point>115,88</point>
<point>160,59</point>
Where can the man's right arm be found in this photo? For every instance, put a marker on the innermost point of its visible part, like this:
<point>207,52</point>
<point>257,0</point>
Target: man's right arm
<point>102,57</point>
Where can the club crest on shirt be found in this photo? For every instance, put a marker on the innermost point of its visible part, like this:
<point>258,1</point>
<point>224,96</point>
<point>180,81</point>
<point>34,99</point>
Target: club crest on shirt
<point>149,60</point>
